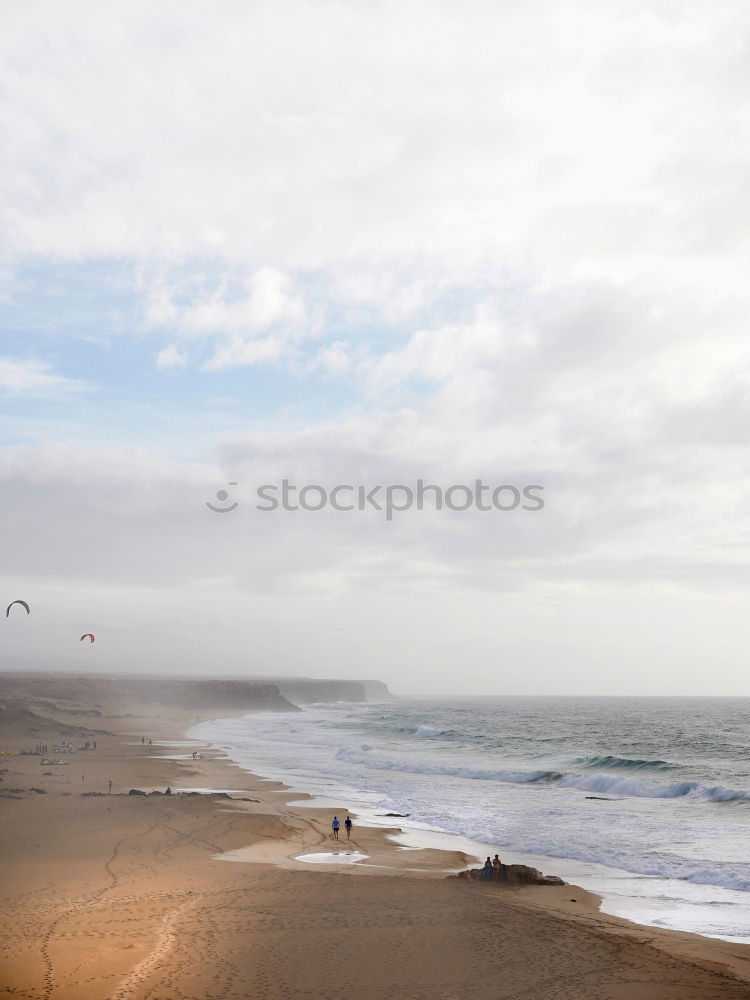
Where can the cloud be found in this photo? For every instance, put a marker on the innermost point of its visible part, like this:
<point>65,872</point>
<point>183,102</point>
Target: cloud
<point>35,377</point>
<point>580,143</point>
<point>482,156</point>
<point>256,319</point>
<point>171,357</point>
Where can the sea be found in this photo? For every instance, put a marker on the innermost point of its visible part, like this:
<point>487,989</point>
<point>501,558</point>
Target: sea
<point>643,800</point>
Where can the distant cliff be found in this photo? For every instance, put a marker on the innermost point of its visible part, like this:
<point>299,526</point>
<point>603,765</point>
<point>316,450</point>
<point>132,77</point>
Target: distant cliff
<point>221,694</point>
<point>377,691</point>
<point>261,694</point>
<point>66,693</point>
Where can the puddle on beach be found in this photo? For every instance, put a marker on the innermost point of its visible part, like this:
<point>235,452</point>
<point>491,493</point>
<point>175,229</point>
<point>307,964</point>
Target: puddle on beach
<point>276,852</point>
<point>339,858</point>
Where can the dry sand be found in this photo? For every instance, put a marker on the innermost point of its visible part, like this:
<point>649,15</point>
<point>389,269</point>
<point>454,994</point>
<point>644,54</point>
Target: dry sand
<point>123,898</point>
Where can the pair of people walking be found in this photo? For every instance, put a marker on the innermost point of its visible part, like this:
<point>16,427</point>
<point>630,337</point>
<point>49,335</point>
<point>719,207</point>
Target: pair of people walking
<point>336,826</point>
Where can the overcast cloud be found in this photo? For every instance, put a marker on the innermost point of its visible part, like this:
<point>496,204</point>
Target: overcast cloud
<point>357,243</point>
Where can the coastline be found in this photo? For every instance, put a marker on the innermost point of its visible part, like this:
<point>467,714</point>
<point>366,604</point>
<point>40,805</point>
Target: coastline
<point>129,896</point>
<point>641,893</point>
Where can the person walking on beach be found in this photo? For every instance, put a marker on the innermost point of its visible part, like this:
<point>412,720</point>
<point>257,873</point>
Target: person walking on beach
<point>348,825</point>
<point>497,867</point>
<point>335,827</point>
<point>109,787</point>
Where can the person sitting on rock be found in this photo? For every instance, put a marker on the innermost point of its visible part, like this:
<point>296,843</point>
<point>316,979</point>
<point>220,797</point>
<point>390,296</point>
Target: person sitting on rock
<point>487,871</point>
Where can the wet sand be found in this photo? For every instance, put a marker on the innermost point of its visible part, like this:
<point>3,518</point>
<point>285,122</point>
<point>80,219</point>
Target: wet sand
<point>114,897</point>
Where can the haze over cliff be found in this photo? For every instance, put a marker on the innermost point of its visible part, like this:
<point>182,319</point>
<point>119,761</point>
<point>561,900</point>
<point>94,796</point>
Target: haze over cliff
<point>65,692</point>
<point>309,690</point>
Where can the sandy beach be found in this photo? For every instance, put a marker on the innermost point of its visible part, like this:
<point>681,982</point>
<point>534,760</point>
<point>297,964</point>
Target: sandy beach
<point>126,896</point>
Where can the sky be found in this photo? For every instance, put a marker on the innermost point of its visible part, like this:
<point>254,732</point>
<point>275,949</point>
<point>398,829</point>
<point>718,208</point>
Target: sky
<point>370,244</point>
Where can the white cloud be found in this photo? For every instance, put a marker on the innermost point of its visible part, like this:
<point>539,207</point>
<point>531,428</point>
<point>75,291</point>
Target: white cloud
<point>35,377</point>
<point>171,357</point>
<point>379,172</point>
<point>258,322</point>
<point>329,138</point>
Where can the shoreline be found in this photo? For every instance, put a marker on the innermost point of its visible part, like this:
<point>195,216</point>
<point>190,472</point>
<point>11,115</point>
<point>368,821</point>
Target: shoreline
<point>122,897</point>
<point>617,888</point>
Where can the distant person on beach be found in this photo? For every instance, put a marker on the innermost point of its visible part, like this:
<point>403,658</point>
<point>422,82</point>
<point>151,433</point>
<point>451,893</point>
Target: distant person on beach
<point>335,827</point>
<point>487,871</point>
<point>109,787</point>
<point>143,740</point>
<point>348,825</point>
<point>497,867</point>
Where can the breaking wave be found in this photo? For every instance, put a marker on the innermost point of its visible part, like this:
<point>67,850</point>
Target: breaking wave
<point>610,763</point>
<point>427,732</point>
<point>637,787</point>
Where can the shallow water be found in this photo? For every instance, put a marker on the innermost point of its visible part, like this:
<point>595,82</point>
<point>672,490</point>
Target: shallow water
<point>336,858</point>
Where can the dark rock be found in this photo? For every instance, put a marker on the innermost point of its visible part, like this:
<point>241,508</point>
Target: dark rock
<point>513,875</point>
<point>155,792</point>
<point>136,791</point>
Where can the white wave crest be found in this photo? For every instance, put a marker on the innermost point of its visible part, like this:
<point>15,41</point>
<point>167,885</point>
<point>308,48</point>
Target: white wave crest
<point>643,788</point>
<point>426,732</point>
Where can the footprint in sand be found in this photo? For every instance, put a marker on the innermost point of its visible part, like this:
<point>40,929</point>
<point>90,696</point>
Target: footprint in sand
<point>165,941</point>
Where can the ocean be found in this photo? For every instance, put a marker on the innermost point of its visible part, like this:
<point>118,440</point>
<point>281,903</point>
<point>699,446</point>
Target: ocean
<point>644,800</point>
